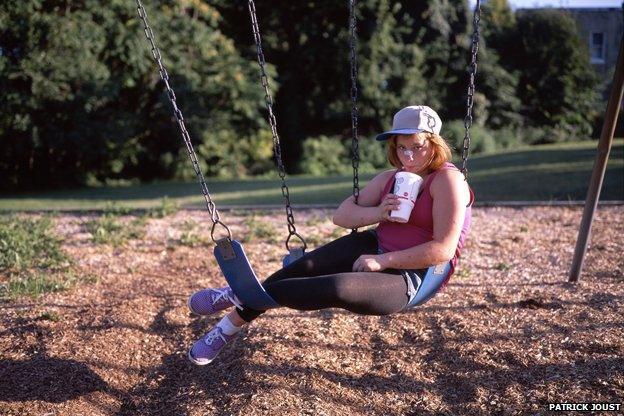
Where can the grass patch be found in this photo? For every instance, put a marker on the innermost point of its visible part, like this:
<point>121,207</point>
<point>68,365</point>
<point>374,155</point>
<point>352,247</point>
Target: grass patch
<point>557,172</point>
<point>36,283</point>
<point>27,243</point>
<point>49,316</point>
<point>190,238</point>
<point>32,261</point>
<point>462,273</point>
<point>315,239</point>
<point>503,266</point>
<point>112,230</point>
<point>113,209</point>
<point>338,232</point>
<point>316,220</point>
<point>166,207</point>
<point>259,230</point>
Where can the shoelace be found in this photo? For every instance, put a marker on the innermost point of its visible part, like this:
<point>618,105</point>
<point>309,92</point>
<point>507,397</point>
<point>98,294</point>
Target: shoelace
<point>227,294</point>
<point>221,296</point>
<point>232,297</point>
<point>212,337</point>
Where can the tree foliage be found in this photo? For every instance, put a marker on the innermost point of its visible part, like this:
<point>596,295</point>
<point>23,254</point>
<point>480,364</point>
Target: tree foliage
<point>83,102</point>
<point>556,84</point>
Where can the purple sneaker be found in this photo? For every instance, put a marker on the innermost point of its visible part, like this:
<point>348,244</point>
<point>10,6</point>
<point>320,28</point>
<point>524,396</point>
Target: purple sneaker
<point>209,346</point>
<point>209,301</point>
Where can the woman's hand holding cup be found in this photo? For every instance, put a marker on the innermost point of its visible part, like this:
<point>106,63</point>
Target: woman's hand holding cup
<point>406,187</point>
<point>388,204</point>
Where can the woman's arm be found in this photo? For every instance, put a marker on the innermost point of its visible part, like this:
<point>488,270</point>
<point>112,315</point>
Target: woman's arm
<point>450,196</point>
<point>368,209</point>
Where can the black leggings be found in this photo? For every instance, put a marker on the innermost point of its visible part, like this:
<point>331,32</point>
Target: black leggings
<point>323,279</point>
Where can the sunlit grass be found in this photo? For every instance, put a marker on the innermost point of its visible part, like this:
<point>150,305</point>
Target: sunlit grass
<point>559,172</point>
<point>32,261</point>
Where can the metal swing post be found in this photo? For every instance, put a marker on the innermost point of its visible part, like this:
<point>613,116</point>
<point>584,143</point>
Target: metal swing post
<point>600,165</point>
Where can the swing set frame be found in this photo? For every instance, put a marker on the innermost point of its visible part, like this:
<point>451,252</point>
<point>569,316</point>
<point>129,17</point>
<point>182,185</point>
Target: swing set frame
<point>229,253</point>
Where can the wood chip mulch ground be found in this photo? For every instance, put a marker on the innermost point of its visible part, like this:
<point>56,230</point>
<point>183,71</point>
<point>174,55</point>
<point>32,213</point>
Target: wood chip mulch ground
<point>507,336</point>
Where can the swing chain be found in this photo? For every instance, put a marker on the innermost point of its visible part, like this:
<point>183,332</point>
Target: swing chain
<point>277,150</point>
<point>354,95</point>
<point>214,227</point>
<point>164,75</point>
<point>355,143</point>
<point>471,87</point>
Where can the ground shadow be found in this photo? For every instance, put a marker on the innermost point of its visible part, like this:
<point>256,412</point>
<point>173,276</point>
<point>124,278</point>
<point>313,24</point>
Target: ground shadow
<point>234,376</point>
<point>225,387</point>
<point>47,379</point>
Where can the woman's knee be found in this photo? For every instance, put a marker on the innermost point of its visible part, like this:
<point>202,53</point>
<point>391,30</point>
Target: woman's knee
<point>342,287</point>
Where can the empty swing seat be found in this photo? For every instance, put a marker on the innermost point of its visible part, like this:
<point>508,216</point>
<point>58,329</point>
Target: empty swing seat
<point>240,276</point>
<point>292,256</point>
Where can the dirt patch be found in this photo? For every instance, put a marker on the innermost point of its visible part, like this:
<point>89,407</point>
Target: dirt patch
<point>507,336</point>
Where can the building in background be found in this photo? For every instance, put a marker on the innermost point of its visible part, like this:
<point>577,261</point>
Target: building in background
<point>602,29</point>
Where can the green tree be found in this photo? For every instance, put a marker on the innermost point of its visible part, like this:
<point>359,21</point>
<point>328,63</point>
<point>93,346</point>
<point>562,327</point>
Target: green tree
<point>556,81</point>
<point>324,156</point>
<point>390,64</point>
<point>497,85</point>
<point>82,98</point>
<point>443,29</point>
<point>307,43</point>
<point>498,21</point>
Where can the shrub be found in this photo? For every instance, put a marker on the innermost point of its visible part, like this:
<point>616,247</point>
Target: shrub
<point>372,155</point>
<point>325,155</point>
<point>537,135</point>
<point>226,153</point>
<point>481,138</point>
<point>509,138</point>
<point>258,152</point>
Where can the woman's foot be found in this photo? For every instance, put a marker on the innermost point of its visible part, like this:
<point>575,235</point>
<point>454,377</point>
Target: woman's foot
<point>209,301</point>
<point>209,346</point>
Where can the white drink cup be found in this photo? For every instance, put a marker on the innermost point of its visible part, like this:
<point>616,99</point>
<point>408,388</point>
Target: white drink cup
<point>406,187</point>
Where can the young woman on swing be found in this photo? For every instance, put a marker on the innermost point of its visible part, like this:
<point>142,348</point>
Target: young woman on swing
<point>374,272</point>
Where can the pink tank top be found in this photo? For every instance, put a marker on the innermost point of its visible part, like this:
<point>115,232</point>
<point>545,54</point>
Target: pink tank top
<point>394,236</point>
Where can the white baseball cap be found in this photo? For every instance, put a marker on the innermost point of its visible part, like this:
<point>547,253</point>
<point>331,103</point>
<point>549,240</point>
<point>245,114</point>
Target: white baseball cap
<point>413,119</point>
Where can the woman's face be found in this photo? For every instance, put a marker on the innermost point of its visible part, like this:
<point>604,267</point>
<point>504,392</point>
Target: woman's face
<point>414,151</point>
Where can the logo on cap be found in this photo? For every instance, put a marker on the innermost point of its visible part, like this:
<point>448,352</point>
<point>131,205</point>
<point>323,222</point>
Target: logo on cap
<point>431,122</point>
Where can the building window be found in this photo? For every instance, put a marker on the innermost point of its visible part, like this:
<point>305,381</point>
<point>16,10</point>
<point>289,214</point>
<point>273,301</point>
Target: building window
<point>597,47</point>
